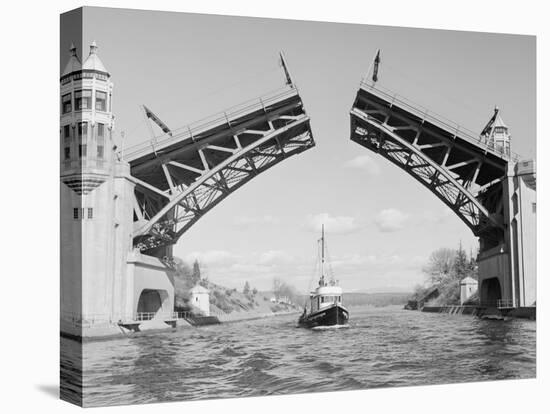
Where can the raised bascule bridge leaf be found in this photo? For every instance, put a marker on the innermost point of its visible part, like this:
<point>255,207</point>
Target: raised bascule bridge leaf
<point>455,164</point>
<point>184,173</point>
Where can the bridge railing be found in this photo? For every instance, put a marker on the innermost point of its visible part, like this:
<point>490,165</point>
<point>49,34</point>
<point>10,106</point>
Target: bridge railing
<point>192,129</point>
<point>93,319</point>
<point>181,315</point>
<point>147,316</point>
<point>437,120</point>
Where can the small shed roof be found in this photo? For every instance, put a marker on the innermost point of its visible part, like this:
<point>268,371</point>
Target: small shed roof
<point>468,280</point>
<point>199,289</point>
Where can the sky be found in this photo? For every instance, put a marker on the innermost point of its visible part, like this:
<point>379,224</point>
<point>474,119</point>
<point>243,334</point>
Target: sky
<point>381,224</point>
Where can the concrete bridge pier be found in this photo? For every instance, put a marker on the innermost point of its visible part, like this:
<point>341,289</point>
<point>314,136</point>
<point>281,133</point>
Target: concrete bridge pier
<point>150,290</point>
<point>507,267</point>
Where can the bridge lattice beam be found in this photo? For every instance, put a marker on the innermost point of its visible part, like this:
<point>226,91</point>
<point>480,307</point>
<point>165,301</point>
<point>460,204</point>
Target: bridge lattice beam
<point>180,181</point>
<point>450,165</point>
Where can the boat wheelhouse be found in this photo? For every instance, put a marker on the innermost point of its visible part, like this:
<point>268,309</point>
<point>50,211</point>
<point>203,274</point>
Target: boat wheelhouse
<point>326,302</point>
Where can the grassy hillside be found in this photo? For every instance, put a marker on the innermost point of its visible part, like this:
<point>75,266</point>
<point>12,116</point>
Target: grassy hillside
<point>222,299</point>
<point>231,300</point>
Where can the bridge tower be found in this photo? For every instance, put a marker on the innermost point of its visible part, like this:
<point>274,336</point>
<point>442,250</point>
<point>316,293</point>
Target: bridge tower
<point>476,175</point>
<point>99,270</point>
<point>123,211</point>
<point>507,270</point>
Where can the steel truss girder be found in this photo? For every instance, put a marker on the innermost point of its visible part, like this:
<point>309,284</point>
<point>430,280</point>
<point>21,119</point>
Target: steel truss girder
<point>164,215</point>
<point>453,189</point>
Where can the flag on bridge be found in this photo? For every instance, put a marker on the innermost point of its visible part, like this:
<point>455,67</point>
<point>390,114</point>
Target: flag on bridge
<point>375,70</point>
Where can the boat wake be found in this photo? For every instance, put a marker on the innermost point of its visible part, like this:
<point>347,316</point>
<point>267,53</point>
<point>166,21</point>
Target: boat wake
<point>329,327</point>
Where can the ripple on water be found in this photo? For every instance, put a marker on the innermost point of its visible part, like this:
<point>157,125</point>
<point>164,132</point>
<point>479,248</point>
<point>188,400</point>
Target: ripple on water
<point>382,348</point>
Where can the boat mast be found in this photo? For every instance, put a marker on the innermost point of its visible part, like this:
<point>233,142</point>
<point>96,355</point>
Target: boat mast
<point>322,251</point>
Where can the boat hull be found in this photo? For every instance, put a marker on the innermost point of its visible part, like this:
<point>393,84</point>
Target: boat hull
<point>331,315</point>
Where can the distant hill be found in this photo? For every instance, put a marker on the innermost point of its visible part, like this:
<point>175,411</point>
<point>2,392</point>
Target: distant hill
<point>374,299</point>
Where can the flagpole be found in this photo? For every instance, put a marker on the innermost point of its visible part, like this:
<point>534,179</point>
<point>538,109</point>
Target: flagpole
<point>372,63</point>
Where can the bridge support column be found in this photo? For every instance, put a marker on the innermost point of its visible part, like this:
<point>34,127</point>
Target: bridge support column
<point>150,289</point>
<point>512,261</point>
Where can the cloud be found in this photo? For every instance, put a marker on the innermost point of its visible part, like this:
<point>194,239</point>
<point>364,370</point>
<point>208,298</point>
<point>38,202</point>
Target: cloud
<point>333,224</point>
<point>249,270</point>
<point>275,257</point>
<point>244,221</point>
<point>212,257</point>
<point>352,260</point>
<point>390,220</point>
<point>364,162</point>
<point>356,270</point>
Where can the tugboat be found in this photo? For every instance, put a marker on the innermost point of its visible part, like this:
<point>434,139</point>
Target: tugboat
<point>326,307</point>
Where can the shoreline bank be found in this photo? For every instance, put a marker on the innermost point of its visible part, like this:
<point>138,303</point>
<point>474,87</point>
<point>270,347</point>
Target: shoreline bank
<point>484,312</point>
<point>180,324</point>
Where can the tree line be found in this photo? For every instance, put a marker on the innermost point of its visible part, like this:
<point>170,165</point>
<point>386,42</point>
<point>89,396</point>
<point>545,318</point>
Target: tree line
<point>444,271</point>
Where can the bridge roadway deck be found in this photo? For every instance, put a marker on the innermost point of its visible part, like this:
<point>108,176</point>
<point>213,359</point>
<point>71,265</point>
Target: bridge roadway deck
<point>428,119</point>
<point>210,128</point>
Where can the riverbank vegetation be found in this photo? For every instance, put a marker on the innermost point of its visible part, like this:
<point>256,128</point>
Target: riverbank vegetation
<point>225,300</point>
<point>444,271</point>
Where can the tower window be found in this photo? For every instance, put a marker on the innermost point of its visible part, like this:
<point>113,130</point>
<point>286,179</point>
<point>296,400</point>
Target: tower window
<point>75,213</point>
<point>534,206</point>
<point>100,130</point>
<point>100,140</point>
<point>90,213</point>
<point>66,103</point>
<point>100,101</point>
<point>82,150</point>
<point>82,130</point>
<point>67,153</point>
<point>83,99</point>
<point>67,134</point>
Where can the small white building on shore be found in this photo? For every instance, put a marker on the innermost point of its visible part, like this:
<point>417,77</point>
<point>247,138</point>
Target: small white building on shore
<point>468,286</point>
<point>200,298</point>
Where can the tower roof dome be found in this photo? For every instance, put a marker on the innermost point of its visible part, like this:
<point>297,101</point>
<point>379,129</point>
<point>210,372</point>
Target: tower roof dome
<point>498,119</point>
<point>93,62</point>
<point>74,64</point>
<point>495,121</point>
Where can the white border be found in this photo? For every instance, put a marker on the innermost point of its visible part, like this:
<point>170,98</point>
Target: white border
<point>30,34</point>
